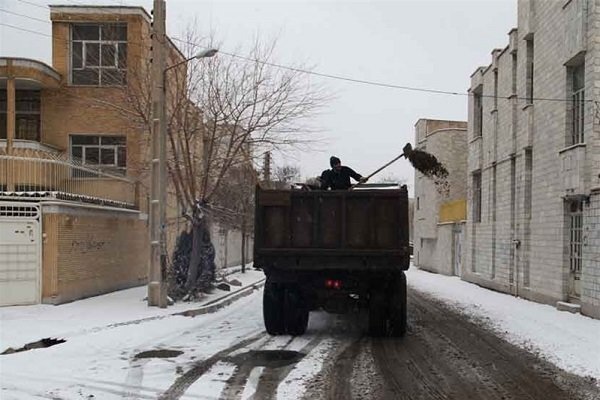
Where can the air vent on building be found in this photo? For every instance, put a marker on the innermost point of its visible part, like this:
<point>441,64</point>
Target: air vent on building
<point>12,210</point>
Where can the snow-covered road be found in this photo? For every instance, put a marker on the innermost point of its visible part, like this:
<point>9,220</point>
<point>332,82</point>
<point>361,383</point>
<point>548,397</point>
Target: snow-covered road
<point>102,364</point>
<point>227,354</point>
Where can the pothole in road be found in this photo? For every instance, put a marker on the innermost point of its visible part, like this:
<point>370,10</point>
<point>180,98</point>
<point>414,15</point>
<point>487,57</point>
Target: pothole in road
<point>160,353</point>
<point>267,358</point>
<point>40,344</point>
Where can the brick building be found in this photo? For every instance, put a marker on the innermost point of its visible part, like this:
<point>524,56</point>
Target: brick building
<point>534,159</point>
<point>439,217</point>
<point>73,175</point>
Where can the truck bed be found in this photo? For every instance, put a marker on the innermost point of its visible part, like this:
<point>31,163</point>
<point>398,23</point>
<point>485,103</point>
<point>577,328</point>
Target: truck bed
<point>308,230</point>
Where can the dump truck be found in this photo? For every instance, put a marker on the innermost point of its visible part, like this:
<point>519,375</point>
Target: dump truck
<point>338,251</point>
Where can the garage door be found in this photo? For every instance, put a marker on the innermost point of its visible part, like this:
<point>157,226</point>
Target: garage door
<point>20,253</point>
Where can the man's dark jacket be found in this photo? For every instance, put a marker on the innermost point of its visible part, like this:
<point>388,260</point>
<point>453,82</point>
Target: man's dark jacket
<point>334,180</point>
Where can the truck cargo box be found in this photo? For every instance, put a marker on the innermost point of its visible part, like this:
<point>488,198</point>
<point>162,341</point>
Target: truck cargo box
<point>356,229</point>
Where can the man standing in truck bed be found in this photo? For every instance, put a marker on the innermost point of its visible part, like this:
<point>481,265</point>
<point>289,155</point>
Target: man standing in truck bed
<point>338,177</point>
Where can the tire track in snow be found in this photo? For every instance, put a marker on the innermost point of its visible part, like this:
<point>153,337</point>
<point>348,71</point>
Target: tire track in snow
<point>178,388</point>
<point>272,377</point>
<point>340,388</point>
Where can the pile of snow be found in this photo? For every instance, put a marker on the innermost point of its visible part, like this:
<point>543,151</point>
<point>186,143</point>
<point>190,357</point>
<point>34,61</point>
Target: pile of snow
<point>571,341</point>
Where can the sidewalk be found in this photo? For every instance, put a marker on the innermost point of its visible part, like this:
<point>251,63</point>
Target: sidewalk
<point>571,341</point>
<point>24,324</point>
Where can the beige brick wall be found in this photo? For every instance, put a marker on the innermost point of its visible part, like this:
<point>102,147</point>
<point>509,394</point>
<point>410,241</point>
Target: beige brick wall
<point>89,251</point>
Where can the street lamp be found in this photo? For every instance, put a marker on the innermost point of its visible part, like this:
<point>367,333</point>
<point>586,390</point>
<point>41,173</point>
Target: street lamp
<point>157,292</point>
<point>203,54</point>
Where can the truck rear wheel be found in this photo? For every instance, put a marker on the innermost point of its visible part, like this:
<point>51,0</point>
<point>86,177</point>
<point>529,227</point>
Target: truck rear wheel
<point>273,308</point>
<point>377,315</point>
<point>398,307</point>
<point>295,311</point>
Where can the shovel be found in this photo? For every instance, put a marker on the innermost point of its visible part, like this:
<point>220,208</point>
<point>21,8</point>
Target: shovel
<point>406,153</point>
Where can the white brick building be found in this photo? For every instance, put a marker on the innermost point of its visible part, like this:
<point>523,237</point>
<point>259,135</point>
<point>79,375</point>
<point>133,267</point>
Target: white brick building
<point>534,158</point>
<point>439,217</point>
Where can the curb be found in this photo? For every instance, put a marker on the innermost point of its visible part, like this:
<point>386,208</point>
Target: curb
<point>224,301</point>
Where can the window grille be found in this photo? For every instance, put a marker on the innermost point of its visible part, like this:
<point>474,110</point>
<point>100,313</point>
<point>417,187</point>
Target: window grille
<point>575,236</point>
<point>109,153</point>
<point>477,197</point>
<point>98,54</point>
<point>577,104</point>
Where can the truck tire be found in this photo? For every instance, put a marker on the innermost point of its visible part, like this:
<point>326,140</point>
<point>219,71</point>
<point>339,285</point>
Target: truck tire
<point>295,311</point>
<point>273,308</point>
<point>377,315</point>
<point>398,307</point>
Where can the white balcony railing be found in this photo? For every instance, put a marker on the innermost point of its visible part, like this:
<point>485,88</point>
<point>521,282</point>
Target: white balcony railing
<point>33,173</point>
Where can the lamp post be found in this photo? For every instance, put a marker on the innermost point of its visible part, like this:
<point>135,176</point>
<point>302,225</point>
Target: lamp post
<point>157,290</point>
<point>203,54</point>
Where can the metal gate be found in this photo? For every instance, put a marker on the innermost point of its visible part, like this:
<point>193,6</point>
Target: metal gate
<point>20,253</point>
<point>575,247</point>
<point>458,236</point>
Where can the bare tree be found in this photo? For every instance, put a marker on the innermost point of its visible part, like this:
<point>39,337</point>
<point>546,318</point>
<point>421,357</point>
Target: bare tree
<point>222,113</point>
<point>285,175</point>
<point>390,179</point>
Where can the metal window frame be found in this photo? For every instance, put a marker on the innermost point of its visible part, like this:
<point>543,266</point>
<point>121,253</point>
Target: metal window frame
<point>115,147</point>
<point>100,67</point>
<point>4,111</point>
<point>477,196</point>
<point>575,237</point>
<point>478,113</point>
<point>577,116</point>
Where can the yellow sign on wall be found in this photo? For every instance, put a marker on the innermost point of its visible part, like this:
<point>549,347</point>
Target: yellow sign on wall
<point>453,211</point>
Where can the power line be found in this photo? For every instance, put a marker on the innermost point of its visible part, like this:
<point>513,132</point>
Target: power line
<point>25,30</point>
<point>129,42</point>
<point>299,70</point>
<point>374,83</point>
<point>34,4</point>
<point>25,16</point>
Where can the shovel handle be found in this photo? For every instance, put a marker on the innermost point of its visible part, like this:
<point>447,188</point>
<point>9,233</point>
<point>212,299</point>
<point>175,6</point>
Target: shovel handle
<point>381,168</point>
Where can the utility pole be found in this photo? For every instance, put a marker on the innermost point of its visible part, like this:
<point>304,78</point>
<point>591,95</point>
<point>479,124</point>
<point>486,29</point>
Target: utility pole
<point>157,290</point>
<point>267,168</point>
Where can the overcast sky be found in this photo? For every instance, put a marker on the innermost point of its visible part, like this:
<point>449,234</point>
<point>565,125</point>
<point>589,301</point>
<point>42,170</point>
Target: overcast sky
<point>428,44</point>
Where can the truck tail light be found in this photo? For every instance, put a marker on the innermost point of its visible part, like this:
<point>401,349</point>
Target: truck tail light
<point>333,284</point>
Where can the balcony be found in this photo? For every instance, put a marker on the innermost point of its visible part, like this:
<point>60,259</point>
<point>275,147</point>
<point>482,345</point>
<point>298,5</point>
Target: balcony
<point>573,170</point>
<point>36,171</point>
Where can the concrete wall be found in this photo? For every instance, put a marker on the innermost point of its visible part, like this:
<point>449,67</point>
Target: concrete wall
<point>228,246</point>
<point>88,251</point>
<point>521,243</point>
<point>590,300</point>
<point>433,240</point>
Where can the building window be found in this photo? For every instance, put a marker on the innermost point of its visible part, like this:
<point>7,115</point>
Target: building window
<point>528,182</point>
<point>3,115</point>
<point>577,78</point>
<point>575,236</point>
<point>495,89</point>
<point>514,74</point>
<point>478,111</point>
<point>27,114</point>
<point>476,196</point>
<point>529,72</point>
<point>108,153</point>
<point>98,54</point>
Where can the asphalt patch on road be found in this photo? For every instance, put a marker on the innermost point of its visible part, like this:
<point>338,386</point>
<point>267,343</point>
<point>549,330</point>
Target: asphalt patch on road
<point>160,353</point>
<point>40,344</point>
<point>266,358</point>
